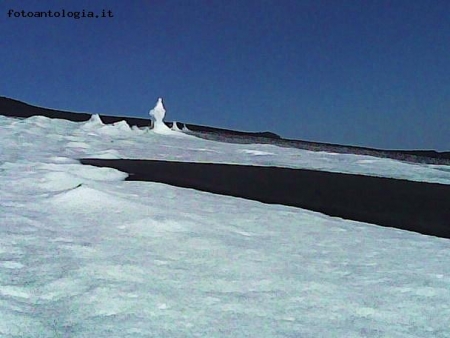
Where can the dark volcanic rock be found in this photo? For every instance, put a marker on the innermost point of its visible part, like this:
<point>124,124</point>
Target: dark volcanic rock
<point>14,108</point>
<point>206,129</point>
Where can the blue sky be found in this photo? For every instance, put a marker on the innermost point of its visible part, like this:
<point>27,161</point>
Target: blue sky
<point>369,73</point>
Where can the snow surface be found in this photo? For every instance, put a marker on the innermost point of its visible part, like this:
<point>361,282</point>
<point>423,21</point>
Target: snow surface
<point>85,254</point>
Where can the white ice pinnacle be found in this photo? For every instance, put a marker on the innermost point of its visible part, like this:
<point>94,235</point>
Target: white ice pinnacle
<point>158,114</point>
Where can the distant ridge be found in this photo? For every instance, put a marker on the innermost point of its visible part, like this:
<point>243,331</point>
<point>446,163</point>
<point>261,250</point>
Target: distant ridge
<point>14,108</point>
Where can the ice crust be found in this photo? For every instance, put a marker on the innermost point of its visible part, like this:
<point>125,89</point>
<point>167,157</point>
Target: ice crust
<point>85,254</point>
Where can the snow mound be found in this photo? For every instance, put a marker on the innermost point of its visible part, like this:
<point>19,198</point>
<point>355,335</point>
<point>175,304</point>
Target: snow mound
<point>61,160</point>
<point>109,154</point>
<point>139,130</point>
<point>38,120</point>
<point>115,129</point>
<point>94,121</point>
<point>54,181</point>
<point>163,129</point>
<point>86,199</point>
<point>122,126</point>
<point>95,124</point>
<point>65,176</point>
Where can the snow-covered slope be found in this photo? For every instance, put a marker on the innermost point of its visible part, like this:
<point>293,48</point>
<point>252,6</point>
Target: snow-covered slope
<point>85,254</point>
<point>93,139</point>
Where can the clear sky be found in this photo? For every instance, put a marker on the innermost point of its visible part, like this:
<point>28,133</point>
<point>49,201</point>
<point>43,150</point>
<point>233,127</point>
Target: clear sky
<point>360,72</point>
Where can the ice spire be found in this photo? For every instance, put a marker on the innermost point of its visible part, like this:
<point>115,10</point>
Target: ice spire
<point>158,114</point>
<point>175,126</point>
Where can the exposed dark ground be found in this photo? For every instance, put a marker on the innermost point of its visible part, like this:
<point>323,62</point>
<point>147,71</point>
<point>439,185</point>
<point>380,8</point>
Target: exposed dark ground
<point>14,108</point>
<point>407,205</point>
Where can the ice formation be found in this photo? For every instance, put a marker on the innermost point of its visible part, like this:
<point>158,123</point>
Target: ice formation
<point>175,127</point>
<point>158,113</point>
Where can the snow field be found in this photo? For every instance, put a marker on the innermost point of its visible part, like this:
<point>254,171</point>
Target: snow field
<point>109,258</point>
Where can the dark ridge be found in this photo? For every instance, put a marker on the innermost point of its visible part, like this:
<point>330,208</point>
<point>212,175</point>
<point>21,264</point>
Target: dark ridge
<point>407,205</point>
<point>15,108</point>
<point>415,156</point>
<point>424,153</point>
<point>372,151</point>
<point>206,129</point>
